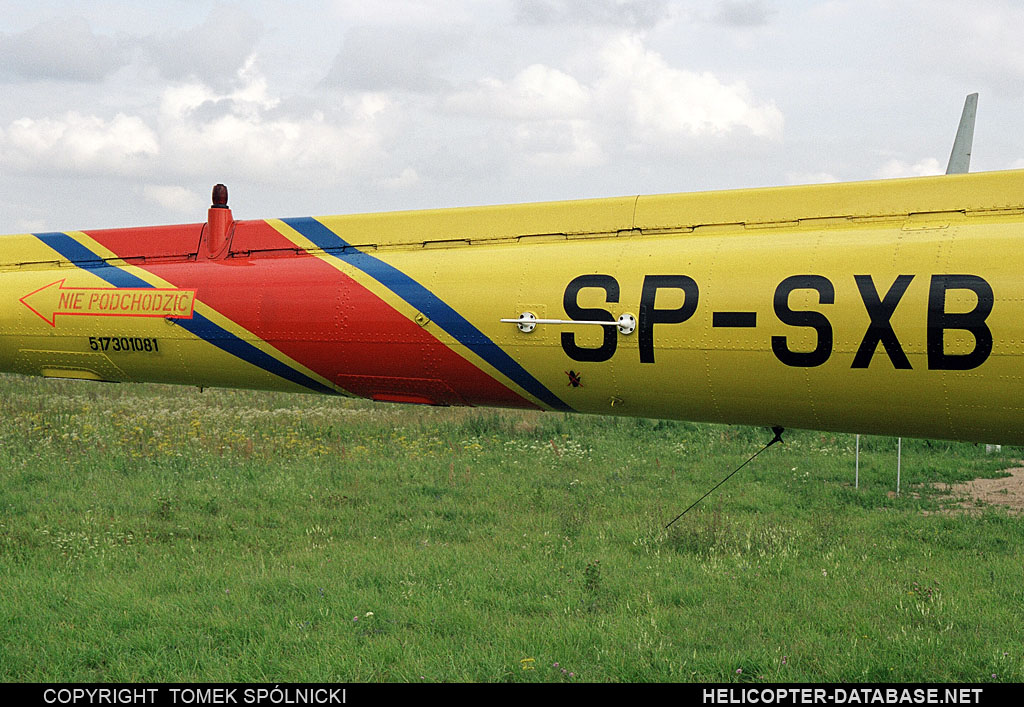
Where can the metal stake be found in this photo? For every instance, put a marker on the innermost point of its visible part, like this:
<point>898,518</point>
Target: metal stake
<point>856,468</point>
<point>899,459</point>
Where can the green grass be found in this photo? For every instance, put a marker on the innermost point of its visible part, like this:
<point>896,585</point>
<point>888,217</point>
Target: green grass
<point>166,534</point>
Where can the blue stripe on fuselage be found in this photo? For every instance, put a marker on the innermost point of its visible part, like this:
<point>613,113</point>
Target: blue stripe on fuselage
<point>429,304</point>
<point>198,325</point>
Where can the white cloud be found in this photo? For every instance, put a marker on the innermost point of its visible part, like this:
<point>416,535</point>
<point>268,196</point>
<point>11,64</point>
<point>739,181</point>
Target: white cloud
<point>635,100</point>
<point>274,149</point>
<point>174,198</point>
<point>636,86</point>
<point>436,13</point>
<point>743,13</point>
<point>536,93</point>
<point>34,225</point>
<point>79,144</point>
<point>211,52</point>
<point>250,95</point>
<point>243,131</point>
<point>894,169</point>
<point>61,49</point>
<point>811,178</point>
<point>665,102</point>
<point>407,178</point>
<point>387,58</point>
<point>248,131</point>
<point>617,13</point>
<point>991,31</point>
<point>558,143</point>
<point>458,101</point>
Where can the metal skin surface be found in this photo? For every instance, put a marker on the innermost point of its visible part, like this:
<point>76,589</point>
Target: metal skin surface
<point>892,307</point>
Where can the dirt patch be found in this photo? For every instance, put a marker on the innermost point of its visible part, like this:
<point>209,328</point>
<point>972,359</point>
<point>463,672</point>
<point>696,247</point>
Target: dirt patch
<point>972,496</point>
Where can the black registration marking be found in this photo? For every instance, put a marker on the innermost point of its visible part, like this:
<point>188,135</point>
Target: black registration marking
<point>569,301</point>
<point>804,318</point>
<point>880,329</point>
<point>651,315</point>
<point>124,344</point>
<point>801,312</point>
<point>739,320</point>
<point>939,321</point>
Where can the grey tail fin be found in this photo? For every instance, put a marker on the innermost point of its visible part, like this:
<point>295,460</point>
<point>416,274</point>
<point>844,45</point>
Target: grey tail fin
<point>960,157</point>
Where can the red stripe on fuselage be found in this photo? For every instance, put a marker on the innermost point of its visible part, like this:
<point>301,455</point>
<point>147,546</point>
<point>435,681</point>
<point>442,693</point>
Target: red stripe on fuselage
<point>328,322</point>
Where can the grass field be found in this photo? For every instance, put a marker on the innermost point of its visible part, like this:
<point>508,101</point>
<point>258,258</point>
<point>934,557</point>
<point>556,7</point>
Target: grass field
<point>152,533</point>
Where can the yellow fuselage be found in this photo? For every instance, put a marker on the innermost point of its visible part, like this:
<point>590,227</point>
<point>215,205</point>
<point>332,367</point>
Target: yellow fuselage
<point>892,307</point>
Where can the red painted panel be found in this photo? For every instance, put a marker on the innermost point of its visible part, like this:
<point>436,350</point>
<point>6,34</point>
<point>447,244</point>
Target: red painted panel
<point>151,241</point>
<point>327,321</point>
<point>256,236</point>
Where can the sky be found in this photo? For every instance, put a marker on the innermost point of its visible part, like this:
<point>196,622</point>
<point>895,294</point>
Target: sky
<point>117,113</point>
